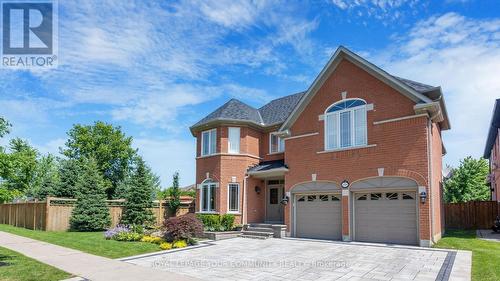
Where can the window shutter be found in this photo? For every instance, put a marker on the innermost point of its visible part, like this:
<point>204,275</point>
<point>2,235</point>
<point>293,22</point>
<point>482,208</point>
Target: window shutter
<point>213,141</point>
<point>331,131</point>
<point>360,126</point>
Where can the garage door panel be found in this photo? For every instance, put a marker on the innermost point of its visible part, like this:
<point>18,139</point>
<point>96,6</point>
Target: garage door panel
<point>318,219</point>
<point>378,219</point>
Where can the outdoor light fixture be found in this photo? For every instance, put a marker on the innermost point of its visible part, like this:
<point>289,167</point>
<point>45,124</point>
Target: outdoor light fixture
<point>257,189</point>
<point>285,200</point>
<point>423,196</point>
<point>344,184</point>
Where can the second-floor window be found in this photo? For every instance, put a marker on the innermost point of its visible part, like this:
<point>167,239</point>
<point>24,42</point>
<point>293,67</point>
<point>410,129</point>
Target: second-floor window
<point>208,142</point>
<point>345,124</point>
<point>234,140</point>
<point>276,143</point>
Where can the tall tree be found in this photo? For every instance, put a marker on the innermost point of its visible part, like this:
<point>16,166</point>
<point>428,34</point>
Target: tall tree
<point>69,171</point>
<point>91,212</point>
<point>4,127</point>
<point>468,182</point>
<point>46,177</point>
<point>175,194</point>
<point>18,167</point>
<point>139,198</point>
<point>108,145</point>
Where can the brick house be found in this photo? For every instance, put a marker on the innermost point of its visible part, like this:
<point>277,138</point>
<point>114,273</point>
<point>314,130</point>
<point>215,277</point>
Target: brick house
<point>356,157</point>
<point>492,152</point>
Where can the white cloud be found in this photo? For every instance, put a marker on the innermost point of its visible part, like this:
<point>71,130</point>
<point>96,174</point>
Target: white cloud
<point>463,56</point>
<point>168,156</point>
<point>379,9</point>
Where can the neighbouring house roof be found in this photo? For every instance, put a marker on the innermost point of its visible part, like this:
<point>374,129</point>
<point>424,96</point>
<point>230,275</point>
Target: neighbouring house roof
<point>268,166</point>
<point>493,131</point>
<point>284,111</point>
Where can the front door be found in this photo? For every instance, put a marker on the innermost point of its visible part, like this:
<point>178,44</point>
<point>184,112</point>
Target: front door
<point>274,208</point>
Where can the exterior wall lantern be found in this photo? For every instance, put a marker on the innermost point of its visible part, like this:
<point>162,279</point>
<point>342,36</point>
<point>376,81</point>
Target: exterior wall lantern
<point>344,184</point>
<point>285,200</point>
<point>423,196</point>
<point>257,189</point>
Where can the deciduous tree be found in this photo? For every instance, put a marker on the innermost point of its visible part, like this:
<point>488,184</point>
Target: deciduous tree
<point>468,182</point>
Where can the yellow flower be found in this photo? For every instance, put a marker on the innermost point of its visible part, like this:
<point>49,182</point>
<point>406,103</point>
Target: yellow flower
<point>166,246</point>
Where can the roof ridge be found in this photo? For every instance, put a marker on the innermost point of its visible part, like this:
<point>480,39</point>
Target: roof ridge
<point>302,92</point>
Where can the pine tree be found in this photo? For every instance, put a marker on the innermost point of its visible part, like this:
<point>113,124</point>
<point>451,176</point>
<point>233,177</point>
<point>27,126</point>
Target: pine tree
<point>69,172</point>
<point>90,212</point>
<point>175,194</point>
<point>138,202</point>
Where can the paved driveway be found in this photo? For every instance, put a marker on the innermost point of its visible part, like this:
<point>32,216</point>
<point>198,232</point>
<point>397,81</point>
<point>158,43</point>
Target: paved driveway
<point>298,259</point>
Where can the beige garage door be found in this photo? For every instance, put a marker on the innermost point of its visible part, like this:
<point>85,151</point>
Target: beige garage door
<point>386,217</point>
<point>319,216</point>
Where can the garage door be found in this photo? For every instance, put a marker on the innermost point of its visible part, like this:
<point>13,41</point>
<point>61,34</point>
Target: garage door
<point>319,216</point>
<point>386,217</point>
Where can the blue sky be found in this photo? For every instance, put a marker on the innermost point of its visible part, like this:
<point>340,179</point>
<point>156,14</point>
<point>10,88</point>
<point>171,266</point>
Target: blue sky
<point>156,68</point>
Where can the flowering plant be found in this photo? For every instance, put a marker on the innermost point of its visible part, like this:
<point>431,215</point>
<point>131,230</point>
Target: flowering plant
<point>117,231</point>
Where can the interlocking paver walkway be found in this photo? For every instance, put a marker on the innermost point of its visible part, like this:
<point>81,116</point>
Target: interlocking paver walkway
<point>81,264</point>
<point>298,259</point>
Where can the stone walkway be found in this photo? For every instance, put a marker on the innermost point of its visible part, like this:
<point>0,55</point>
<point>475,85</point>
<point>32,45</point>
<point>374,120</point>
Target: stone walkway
<point>488,234</point>
<point>84,265</point>
<point>299,259</point>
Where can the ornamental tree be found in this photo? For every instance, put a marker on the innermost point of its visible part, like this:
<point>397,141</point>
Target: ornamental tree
<point>468,182</point>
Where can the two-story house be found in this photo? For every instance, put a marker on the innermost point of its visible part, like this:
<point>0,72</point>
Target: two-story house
<point>356,157</point>
<point>492,152</point>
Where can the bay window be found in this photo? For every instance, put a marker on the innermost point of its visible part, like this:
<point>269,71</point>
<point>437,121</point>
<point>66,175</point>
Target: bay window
<point>345,124</point>
<point>234,140</point>
<point>208,142</point>
<point>207,195</point>
<point>233,191</point>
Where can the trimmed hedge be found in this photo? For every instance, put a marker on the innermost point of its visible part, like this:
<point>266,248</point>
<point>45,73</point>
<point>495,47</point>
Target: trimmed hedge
<point>214,222</point>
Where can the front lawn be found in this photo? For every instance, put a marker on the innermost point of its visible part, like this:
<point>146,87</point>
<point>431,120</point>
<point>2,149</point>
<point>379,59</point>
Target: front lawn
<point>89,242</point>
<point>17,267</point>
<point>485,254</point>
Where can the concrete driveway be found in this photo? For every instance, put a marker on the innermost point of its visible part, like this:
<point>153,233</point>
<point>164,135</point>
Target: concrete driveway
<point>299,259</point>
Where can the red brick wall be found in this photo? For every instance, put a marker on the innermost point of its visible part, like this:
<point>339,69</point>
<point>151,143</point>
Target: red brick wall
<point>436,196</point>
<point>401,147</point>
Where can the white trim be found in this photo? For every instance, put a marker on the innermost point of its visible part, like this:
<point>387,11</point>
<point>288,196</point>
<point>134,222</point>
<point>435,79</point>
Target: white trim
<point>268,171</point>
<point>229,154</point>
<point>347,148</point>
<point>400,118</point>
<point>237,200</point>
<point>352,119</point>
<point>302,136</point>
<point>208,183</point>
<point>209,142</point>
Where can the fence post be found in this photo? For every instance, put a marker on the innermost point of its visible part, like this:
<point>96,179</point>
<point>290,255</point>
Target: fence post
<point>47,213</point>
<point>160,214</point>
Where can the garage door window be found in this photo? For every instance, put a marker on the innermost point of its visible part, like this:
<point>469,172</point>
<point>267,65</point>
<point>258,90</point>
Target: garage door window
<point>302,199</point>
<point>335,198</point>
<point>407,196</point>
<point>363,197</point>
<point>375,196</point>
<point>391,196</point>
<point>311,198</point>
<point>323,197</point>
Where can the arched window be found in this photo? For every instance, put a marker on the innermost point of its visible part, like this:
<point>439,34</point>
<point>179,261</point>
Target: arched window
<point>207,196</point>
<point>345,124</point>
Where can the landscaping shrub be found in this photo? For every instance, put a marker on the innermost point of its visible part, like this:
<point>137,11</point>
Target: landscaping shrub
<point>227,222</point>
<point>122,233</point>
<point>166,246</point>
<point>192,241</point>
<point>152,239</point>
<point>112,232</point>
<point>183,227</point>
<point>217,222</point>
<point>179,244</point>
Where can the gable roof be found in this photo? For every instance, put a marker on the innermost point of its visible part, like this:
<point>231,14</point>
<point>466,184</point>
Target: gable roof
<point>493,131</point>
<point>411,89</point>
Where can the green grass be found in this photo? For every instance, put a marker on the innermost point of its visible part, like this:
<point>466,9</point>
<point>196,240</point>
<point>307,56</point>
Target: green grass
<point>89,242</point>
<point>485,254</point>
<point>16,267</point>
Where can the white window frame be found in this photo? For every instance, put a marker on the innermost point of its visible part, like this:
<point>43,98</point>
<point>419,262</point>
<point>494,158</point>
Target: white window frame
<point>281,146</point>
<point>237,211</point>
<point>238,141</point>
<point>337,120</point>
<point>208,184</point>
<point>209,132</point>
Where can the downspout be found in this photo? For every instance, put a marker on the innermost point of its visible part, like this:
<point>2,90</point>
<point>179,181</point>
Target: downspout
<point>431,190</point>
<point>244,215</point>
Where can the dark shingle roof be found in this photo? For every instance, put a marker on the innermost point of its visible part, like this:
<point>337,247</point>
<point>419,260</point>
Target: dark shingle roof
<point>493,132</point>
<point>417,86</point>
<point>274,112</point>
<point>233,110</point>
<point>268,165</point>
<point>278,110</point>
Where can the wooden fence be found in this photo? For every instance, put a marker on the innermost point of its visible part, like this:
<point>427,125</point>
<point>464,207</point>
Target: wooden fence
<point>471,215</point>
<point>54,213</point>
